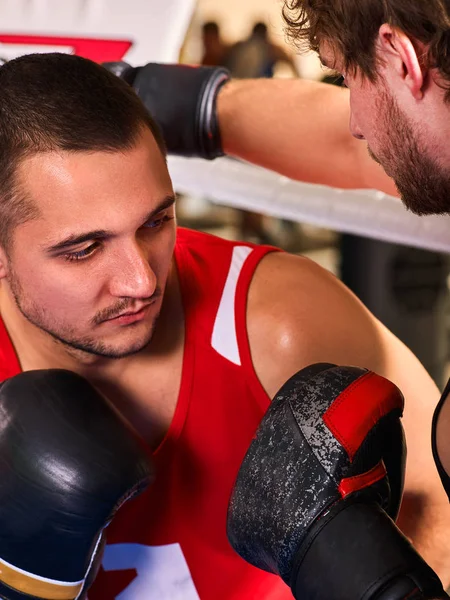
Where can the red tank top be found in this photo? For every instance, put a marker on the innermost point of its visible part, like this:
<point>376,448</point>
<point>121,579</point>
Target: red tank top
<point>170,543</point>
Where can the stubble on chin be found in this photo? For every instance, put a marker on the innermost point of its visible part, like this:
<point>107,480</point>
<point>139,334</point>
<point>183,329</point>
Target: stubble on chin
<point>78,346</point>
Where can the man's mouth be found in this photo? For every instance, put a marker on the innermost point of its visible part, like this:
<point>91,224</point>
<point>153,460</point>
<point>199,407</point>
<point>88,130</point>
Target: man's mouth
<point>131,312</point>
<point>131,316</point>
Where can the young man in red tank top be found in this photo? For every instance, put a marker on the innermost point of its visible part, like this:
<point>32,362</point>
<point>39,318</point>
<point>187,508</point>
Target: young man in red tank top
<point>189,338</point>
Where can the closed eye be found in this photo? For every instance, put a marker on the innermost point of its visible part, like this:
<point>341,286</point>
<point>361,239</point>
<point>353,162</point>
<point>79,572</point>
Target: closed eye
<point>81,254</point>
<point>78,255</point>
<point>157,223</point>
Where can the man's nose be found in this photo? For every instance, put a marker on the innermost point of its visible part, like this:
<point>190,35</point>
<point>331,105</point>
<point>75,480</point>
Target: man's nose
<point>133,276</point>
<point>354,128</point>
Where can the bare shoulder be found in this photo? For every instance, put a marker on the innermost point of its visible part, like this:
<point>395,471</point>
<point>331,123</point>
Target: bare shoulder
<point>298,313</point>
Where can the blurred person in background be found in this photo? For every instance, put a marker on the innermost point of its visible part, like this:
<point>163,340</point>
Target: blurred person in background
<point>257,56</point>
<point>214,48</point>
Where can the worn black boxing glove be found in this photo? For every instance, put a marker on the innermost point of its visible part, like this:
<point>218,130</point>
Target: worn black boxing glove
<point>182,100</point>
<point>318,489</point>
<point>67,464</point>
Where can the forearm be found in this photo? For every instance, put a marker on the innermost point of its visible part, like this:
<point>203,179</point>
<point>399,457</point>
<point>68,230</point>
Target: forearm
<point>298,128</point>
<point>425,511</point>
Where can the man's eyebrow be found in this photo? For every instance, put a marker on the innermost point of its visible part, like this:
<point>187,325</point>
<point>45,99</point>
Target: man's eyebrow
<point>97,234</point>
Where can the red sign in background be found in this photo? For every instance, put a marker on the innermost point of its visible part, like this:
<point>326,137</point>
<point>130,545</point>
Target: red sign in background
<point>99,50</point>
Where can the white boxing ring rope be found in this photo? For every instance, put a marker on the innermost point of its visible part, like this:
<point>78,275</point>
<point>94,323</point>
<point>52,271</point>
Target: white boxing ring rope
<point>365,213</point>
<point>157,30</point>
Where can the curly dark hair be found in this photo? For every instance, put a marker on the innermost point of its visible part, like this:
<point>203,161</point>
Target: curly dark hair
<point>351,27</point>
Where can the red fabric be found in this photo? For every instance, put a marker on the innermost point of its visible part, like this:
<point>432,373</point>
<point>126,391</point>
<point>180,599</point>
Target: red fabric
<point>98,50</point>
<point>9,363</point>
<point>359,408</point>
<point>219,408</point>
<point>349,485</point>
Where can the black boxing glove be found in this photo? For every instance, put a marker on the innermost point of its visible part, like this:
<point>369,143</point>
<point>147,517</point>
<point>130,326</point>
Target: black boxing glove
<point>318,489</point>
<point>182,100</point>
<point>67,464</point>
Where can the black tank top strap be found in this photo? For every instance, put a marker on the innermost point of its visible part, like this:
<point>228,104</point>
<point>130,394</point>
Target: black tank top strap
<point>445,477</point>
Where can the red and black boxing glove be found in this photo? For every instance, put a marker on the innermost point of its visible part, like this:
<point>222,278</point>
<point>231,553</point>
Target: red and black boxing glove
<point>320,486</point>
<point>182,100</point>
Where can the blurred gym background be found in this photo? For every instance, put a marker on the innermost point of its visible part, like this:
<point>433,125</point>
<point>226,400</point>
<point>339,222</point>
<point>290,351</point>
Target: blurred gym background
<point>406,288</point>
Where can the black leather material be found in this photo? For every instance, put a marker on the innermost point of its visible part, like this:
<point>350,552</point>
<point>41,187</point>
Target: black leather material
<point>182,100</point>
<point>356,552</point>
<point>292,470</point>
<point>288,513</point>
<point>67,463</point>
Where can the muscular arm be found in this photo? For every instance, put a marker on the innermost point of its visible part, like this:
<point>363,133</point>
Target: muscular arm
<point>300,129</point>
<point>299,314</point>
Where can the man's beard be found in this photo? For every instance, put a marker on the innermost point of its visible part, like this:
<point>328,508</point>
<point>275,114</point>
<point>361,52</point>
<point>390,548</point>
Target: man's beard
<point>423,184</point>
<point>67,337</point>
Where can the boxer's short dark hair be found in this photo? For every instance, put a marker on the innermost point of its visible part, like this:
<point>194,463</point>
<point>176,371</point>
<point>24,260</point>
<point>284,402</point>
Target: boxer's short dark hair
<point>351,27</point>
<point>54,102</point>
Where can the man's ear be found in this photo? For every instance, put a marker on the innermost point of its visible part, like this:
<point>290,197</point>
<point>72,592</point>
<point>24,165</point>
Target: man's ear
<point>401,59</point>
<point>3,263</point>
